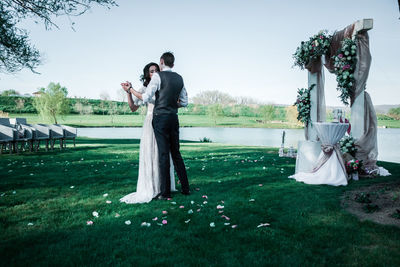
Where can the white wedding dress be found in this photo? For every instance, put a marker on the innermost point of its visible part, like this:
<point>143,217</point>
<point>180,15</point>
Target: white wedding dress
<point>148,184</point>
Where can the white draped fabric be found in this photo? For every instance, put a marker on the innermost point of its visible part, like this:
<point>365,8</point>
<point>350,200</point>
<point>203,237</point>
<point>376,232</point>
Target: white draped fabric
<point>329,168</point>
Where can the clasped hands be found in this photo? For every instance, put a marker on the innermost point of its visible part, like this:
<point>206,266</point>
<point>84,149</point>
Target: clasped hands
<point>126,86</point>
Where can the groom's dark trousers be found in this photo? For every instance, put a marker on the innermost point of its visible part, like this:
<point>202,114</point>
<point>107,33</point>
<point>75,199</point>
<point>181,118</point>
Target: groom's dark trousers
<point>166,130</point>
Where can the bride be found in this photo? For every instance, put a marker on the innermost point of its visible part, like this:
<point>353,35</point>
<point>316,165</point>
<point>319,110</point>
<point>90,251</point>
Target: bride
<point>148,184</point>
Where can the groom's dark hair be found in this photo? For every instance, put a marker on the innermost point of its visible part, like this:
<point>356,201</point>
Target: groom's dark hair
<point>168,58</point>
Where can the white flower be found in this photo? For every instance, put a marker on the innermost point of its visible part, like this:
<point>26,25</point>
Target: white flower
<point>108,201</point>
<point>95,214</point>
<point>105,195</point>
<point>30,224</point>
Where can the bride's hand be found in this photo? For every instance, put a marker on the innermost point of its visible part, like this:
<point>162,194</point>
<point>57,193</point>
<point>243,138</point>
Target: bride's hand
<point>126,86</point>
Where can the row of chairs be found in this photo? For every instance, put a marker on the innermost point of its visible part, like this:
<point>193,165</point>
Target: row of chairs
<point>18,135</point>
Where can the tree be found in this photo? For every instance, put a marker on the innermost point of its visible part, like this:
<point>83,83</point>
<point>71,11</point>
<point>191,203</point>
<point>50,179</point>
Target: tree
<point>105,98</point>
<point>9,92</point>
<point>394,113</point>
<point>267,112</point>
<point>215,111</point>
<point>20,104</point>
<point>291,114</point>
<point>52,102</point>
<point>213,97</point>
<point>16,51</point>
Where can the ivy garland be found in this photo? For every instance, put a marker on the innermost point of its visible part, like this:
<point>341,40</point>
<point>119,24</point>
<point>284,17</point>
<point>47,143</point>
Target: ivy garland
<point>303,104</point>
<point>345,65</point>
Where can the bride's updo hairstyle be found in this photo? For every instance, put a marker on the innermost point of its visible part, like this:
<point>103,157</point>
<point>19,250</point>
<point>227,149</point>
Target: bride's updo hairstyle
<point>145,78</point>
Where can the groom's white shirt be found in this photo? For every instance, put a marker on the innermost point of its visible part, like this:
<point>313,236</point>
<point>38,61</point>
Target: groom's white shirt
<point>155,85</point>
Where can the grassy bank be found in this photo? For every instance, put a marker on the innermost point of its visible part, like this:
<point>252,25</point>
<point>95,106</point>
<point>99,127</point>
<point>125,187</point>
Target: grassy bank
<point>137,121</point>
<point>48,197</point>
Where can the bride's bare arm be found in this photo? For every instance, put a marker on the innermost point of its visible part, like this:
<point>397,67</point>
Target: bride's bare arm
<point>126,86</point>
<point>132,105</point>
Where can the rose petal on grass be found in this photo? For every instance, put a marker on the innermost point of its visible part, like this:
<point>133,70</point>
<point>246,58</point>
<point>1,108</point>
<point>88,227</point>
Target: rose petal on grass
<point>89,222</point>
<point>14,192</point>
<point>155,219</point>
<point>212,224</point>
<point>198,210</point>
<point>204,196</point>
<point>221,211</point>
<point>164,222</point>
<point>260,185</point>
<point>227,223</point>
<point>181,207</point>
<point>263,225</point>
<point>30,224</point>
<point>72,187</point>
<point>220,207</point>
<point>197,189</point>
<point>190,211</point>
<point>117,215</point>
<point>192,202</point>
<point>187,221</point>
<point>173,203</point>
<point>252,200</point>
<point>234,226</point>
<point>105,195</point>
<point>108,201</point>
<point>164,212</point>
<point>205,202</point>
<point>95,214</point>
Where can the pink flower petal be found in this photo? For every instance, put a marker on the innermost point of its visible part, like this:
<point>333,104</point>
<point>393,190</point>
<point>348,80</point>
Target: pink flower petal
<point>155,218</point>
<point>204,196</point>
<point>164,222</point>
<point>181,207</point>
<point>164,212</point>
<point>234,226</point>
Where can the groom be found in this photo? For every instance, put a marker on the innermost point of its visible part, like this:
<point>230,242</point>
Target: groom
<point>170,94</point>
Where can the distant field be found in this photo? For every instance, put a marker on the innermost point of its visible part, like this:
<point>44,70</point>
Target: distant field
<point>137,121</point>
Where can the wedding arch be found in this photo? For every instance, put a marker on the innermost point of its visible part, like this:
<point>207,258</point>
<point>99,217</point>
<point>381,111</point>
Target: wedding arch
<point>347,54</point>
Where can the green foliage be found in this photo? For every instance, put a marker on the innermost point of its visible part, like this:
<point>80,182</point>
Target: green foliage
<point>10,104</point>
<point>394,113</point>
<point>205,140</point>
<point>267,112</point>
<point>215,111</point>
<point>52,102</point>
<point>10,92</point>
<point>303,104</point>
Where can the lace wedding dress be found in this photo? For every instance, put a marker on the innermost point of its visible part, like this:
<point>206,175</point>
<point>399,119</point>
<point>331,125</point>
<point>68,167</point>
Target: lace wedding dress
<point>148,184</point>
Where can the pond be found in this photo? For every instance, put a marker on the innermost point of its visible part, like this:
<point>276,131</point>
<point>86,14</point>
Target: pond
<point>388,144</point>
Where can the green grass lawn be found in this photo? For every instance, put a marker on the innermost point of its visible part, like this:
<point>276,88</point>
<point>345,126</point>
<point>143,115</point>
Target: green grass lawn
<point>57,192</point>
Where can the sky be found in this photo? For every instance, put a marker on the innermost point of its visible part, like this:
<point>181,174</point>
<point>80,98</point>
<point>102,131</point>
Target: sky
<point>243,48</point>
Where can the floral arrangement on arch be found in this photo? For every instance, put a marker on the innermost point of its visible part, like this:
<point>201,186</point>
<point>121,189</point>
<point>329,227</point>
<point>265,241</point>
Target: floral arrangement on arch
<point>353,165</point>
<point>347,145</point>
<point>303,104</point>
<point>315,47</point>
<point>345,65</point>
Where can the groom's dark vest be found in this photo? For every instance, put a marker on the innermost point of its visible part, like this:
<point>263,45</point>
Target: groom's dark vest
<point>168,94</point>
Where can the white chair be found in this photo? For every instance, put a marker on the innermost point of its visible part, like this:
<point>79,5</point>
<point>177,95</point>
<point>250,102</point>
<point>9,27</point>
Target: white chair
<point>22,134</point>
<point>25,132</point>
<point>69,133</point>
<point>7,137</point>
<point>42,133</point>
<point>56,133</point>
